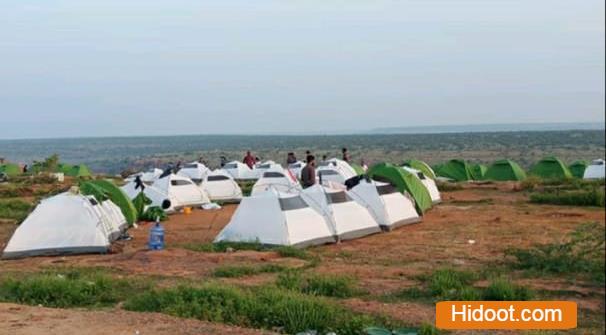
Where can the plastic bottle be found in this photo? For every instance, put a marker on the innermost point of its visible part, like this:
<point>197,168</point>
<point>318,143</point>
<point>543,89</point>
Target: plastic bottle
<point>156,236</point>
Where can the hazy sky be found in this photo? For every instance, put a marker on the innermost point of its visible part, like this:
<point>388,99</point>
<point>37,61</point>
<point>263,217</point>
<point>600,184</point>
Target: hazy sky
<point>98,68</point>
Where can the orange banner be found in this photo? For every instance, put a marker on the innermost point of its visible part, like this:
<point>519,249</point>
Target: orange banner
<point>506,315</point>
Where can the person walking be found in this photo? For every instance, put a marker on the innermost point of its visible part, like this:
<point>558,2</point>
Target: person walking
<point>308,173</point>
<point>249,160</point>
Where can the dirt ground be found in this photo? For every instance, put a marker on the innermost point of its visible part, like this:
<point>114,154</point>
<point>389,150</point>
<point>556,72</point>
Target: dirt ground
<point>471,229</point>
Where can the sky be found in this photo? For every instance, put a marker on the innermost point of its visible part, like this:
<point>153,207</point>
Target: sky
<point>106,68</point>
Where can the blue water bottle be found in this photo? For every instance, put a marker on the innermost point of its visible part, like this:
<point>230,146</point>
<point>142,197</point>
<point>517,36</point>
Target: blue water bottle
<point>156,236</point>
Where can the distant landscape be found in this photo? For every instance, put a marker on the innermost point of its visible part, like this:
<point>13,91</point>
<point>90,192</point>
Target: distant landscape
<point>113,155</point>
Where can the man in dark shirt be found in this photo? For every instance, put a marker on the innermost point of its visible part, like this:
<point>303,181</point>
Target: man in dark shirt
<point>345,155</point>
<point>308,173</point>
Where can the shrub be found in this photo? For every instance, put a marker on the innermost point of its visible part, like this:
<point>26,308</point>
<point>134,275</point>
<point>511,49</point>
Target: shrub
<point>503,290</point>
<point>581,253</point>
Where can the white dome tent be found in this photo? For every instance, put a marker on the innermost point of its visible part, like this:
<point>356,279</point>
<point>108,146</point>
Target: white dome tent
<point>67,223</point>
<point>181,191</point>
<point>386,204</point>
<point>276,178</point>
<point>275,218</point>
<point>220,186</point>
<point>265,166</point>
<point>335,170</point>
<point>156,196</point>
<point>240,171</point>
<point>429,184</point>
<point>595,170</point>
<point>148,177</point>
<point>195,171</point>
<point>347,218</point>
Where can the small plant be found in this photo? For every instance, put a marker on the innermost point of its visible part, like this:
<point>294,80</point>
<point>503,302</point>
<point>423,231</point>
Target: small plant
<point>503,290</point>
<point>448,187</point>
<point>288,251</point>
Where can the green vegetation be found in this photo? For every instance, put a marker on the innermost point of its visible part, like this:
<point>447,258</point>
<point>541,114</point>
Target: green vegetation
<point>242,271</point>
<point>266,307</point>
<point>448,284</point>
<point>582,253</point>
<point>448,186</point>
<point>503,290</point>
<point>592,198</point>
<point>71,288</point>
<point>324,285</point>
<point>15,209</point>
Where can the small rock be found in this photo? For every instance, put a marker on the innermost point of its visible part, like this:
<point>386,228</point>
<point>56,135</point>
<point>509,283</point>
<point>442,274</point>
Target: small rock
<point>471,241</point>
<point>230,250</point>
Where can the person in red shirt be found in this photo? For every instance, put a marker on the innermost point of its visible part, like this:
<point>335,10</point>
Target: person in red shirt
<point>249,160</point>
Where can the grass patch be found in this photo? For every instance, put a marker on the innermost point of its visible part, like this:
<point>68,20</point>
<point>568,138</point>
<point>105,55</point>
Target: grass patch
<point>243,271</point>
<point>322,285</point>
<point>283,251</point>
<point>582,252</point>
<point>268,307</point>
<point>70,288</point>
<point>593,198</point>
<point>15,209</point>
<point>503,290</point>
<point>448,284</point>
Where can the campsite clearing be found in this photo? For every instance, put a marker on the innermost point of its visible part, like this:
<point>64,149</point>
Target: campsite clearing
<point>470,232</point>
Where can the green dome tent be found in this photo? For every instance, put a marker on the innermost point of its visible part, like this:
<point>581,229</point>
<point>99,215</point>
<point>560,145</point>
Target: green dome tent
<point>577,169</point>
<point>359,169</point>
<point>10,169</point>
<point>550,168</point>
<point>503,170</point>
<point>404,181</point>
<point>455,169</point>
<point>478,171</point>
<point>113,193</point>
<point>78,171</point>
<point>421,166</point>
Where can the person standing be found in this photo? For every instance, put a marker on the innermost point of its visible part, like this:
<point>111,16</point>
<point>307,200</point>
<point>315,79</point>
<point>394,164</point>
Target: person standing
<point>249,160</point>
<point>291,158</point>
<point>308,173</point>
<point>345,155</point>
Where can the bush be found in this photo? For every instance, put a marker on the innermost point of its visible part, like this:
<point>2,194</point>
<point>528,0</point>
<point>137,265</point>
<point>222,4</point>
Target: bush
<point>503,290</point>
<point>15,209</point>
<point>64,289</point>
<point>581,253</point>
<point>261,308</point>
<point>242,271</point>
<point>593,197</point>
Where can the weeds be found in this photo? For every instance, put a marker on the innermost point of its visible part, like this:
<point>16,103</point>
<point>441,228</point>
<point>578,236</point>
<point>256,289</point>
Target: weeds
<point>268,307</point>
<point>581,253</point>
<point>503,290</point>
<point>448,187</point>
<point>65,289</point>
<point>593,197</point>
<point>15,209</point>
<point>283,251</point>
<point>324,285</point>
<point>447,284</point>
